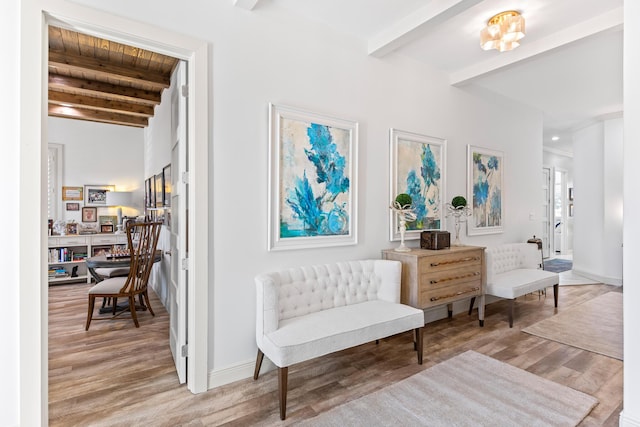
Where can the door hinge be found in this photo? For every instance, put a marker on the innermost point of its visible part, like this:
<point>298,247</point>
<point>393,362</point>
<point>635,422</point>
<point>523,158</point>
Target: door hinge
<point>184,351</point>
<point>185,91</point>
<point>185,263</point>
<point>185,177</point>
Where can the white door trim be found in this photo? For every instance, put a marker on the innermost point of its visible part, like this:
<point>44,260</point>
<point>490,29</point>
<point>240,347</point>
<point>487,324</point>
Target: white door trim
<point>34,18</point>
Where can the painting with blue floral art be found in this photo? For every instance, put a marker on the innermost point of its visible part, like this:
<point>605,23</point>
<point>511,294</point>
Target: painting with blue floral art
<point>313,157</point>
<point>418,164</point>
<point>485,174</point>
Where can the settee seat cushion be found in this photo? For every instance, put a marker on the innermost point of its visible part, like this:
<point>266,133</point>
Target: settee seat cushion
<point>315,334</point>
<point>521,281</point>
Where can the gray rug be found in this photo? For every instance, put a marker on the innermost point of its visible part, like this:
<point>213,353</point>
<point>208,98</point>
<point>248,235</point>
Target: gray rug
<point>595,325</point>
<point>470,389</point>
<point>558,265</point>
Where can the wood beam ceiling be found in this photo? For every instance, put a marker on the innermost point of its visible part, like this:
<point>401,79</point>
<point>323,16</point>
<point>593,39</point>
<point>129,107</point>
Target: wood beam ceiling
<point>100,80</point>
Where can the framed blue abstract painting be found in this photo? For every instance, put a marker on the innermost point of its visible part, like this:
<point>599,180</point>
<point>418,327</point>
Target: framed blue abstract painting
<point>417,168</point>
<point>312,179</point>
<point>485,190</point>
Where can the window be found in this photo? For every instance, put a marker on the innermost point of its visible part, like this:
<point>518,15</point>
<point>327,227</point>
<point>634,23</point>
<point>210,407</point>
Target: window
<point>54,181</point>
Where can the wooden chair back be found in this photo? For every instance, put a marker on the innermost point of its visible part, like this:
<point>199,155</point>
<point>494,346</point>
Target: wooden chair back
<point>143,241</point>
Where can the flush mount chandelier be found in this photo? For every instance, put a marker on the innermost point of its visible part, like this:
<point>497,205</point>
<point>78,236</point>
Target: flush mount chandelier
<point>503,31</point>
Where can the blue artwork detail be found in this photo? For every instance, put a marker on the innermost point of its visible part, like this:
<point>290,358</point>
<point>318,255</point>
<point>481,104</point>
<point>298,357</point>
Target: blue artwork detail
<point>319,214</point>
<point>487,194</point>
<point>430,174</point>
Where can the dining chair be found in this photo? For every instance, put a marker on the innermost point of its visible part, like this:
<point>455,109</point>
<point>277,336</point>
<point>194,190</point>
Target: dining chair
<point>142,240</point>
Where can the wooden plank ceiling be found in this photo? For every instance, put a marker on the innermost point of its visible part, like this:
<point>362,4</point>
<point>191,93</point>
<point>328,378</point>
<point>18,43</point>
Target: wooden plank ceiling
<point>103,81</point>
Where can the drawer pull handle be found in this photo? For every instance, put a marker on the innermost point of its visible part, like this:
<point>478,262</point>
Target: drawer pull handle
<point>447,279</point>
<point>456,261</point>
<point>455,294</point>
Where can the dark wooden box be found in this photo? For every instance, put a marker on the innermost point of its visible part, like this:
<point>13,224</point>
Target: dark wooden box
<point>435,239</point>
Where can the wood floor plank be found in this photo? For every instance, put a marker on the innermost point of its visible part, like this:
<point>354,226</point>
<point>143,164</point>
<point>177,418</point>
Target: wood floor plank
<point>116,374</point>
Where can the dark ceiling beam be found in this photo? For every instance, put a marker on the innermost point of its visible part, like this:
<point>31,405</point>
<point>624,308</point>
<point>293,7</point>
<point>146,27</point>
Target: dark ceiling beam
<point>99,89</point>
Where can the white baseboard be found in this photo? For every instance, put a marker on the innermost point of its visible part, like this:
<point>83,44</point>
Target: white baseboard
<point>627,421</point>
<point>235,373</point>
<point>616,281</point>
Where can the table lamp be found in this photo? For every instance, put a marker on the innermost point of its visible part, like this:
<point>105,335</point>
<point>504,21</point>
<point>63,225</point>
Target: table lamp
<point>119,199</point>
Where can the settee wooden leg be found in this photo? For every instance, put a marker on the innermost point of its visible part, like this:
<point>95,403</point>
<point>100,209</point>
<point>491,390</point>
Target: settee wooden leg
<point>511,309</point>
<point>555,294</point>
<point>282,386</point>
<point>450,311</point>
<point>419,341</point>
<point>473,300</point>
<point>259,359</point>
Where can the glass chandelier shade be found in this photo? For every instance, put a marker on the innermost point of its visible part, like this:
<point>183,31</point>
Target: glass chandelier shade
<point>503,31</point>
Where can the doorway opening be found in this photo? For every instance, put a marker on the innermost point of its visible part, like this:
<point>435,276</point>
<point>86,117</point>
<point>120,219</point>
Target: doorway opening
<point>33,292</point>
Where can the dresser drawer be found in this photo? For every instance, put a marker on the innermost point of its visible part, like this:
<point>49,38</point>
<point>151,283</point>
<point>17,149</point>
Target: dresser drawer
<point>452,277</point>
<point>444,295</point>
<point>450,261</point>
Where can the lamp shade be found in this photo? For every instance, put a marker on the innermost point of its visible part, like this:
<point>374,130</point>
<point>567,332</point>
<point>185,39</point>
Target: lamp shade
<point>118,198</point>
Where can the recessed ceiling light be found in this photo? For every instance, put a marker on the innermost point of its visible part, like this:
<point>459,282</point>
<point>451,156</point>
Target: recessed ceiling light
<point>555,138</point>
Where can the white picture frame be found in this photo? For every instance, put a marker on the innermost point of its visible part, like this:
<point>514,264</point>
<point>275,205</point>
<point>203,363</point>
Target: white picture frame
<point>485,190</point>
<point>312,179</point>
<point>406,164</point>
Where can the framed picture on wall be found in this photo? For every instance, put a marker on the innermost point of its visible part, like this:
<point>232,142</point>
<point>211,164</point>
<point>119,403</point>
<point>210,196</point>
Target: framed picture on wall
<point>152,192</point>
<point>96,195</point>
<point>418,165</point>
<point>166,194</point>
<point>73,206</point>
<point>159,182</point>
<point>312,179</point>
<point>485,190</point>
<point>89,214</point>
<point>71,193</point>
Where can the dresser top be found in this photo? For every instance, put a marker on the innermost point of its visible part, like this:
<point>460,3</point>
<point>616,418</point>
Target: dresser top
<point>429,252</point>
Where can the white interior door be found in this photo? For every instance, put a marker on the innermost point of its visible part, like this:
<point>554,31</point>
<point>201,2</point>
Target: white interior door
<point>546,212</point>
<point>179,231</point>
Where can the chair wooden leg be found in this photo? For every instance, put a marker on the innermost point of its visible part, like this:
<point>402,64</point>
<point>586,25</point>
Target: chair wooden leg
<point>115,305</point>
<point>282,387</point>
<point>92,302</point>
<point>419,341</point>
<point>147,303</point>
<point>511,309</point>
<point>473,300</point>
<point>132,309</point>
<point>555,294</point>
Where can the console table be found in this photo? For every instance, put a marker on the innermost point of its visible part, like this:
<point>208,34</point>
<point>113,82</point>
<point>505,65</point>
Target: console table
<point>432,278</point>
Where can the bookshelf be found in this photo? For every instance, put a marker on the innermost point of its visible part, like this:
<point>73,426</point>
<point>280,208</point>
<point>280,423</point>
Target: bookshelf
<point>66,253</point>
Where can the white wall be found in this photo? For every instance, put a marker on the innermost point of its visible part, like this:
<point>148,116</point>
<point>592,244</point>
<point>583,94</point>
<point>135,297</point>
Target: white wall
<point>598,193</point>
<point>262,57</point>
<point>97,154</point>
<point>631,412</point>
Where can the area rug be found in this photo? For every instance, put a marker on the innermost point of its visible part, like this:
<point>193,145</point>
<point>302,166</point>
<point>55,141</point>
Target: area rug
<point>470,389</point>
<point>558,265</point>
<point>595,325</point>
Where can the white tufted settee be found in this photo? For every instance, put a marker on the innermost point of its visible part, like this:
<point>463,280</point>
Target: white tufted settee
<point>306,312</point>
<point>514,269</point>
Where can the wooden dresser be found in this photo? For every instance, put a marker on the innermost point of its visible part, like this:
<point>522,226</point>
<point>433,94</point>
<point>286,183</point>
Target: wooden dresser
<point>432,278</point>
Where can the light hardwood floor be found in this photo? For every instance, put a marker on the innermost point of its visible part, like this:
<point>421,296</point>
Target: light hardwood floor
<point>116,374</point>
